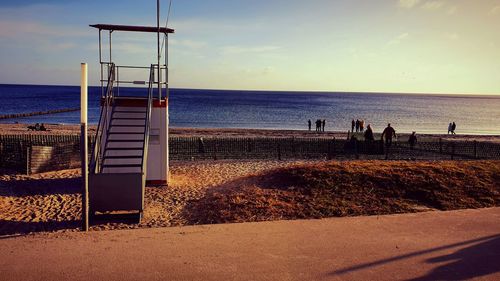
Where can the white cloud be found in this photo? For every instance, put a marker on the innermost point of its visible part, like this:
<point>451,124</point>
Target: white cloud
<point>453,36</point>
<point>18,28</point>
<point>191,44</point>
<point>408,3</point>
<point>244,49</point>
<point>433,5</point>
<point>495,10</point>
<point>453,10</point>
<point>398,39</point>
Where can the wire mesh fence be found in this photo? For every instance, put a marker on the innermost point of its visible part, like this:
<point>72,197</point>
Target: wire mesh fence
<point>38,153</point>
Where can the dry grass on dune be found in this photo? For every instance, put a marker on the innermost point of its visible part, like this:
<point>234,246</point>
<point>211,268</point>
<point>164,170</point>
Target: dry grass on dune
<point>240,191</point>
<point>351,189</point>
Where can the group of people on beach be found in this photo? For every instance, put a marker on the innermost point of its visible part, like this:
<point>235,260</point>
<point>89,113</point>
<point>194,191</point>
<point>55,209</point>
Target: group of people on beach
<point>451,128</point>
<point>387,135</point>
<point>320,125</point>
<point>359,125</point>
<point>37,127</point>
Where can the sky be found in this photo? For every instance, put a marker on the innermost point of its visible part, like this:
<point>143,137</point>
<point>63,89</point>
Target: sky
<point>397,46</point>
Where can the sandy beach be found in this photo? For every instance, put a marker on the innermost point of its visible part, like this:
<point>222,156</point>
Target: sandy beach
<point>51,201</point>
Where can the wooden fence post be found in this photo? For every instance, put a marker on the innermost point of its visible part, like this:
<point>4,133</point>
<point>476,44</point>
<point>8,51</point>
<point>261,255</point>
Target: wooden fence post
<point>329,151</point>
<point>334,152</point>
<point>1,153</point>
<point>279,151</point>
<point>215,150</point>
<point>356,149</point>
<point>475,149</point>
<point>452,151</point>
<point>28,162</point>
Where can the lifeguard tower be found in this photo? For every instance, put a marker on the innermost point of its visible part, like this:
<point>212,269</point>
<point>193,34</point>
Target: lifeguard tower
<point>131,144</point>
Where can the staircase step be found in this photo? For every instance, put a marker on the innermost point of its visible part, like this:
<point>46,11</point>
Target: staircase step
<point>124,148</point>
<point>128,111</point>
<point>122,170</point>
<point>122,165</point>
<point>128,118</point>
<point>129,140</point>
<point>123,157</point>
<point>126,133</point>
<point>133,126</point>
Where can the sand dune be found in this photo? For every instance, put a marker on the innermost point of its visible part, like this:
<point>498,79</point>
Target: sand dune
<point>51,201</point>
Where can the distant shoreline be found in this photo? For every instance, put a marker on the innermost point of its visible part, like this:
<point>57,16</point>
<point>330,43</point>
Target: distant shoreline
<point>55,129</point>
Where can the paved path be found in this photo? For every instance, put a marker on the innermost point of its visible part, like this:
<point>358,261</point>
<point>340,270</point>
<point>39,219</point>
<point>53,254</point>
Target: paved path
<point>428,246</point>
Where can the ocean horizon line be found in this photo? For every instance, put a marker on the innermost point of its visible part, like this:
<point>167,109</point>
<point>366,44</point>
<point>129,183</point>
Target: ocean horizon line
<point>434,94</point>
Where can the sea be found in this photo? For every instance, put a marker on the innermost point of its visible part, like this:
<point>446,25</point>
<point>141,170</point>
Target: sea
<point>198,108</point>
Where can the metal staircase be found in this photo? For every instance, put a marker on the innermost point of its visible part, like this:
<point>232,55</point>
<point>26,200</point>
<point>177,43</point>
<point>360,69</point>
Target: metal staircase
<point>123,151</point>
<point>119,159</point>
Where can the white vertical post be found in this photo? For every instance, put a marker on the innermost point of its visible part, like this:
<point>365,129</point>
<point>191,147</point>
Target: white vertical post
<point>84,146</point>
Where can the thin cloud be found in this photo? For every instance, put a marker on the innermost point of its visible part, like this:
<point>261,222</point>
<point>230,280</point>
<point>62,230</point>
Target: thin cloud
<point>453,10</point>
<point>408,4</point>
<point>191,44</point>
<point>399,39</point>
<point>15,28</point>
<point>495,10</point>
<point>453,36</point>
<point>242,49</point>
<point>433,5</point>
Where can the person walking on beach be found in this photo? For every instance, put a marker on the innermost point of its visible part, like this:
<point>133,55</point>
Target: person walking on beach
<point>449,128</point>
<point>362,125</point>
<point>309,124</point>
<point>388,133</point>
<point>412,140</point>
<point>453,128</point>
<point>323,124</point>
<point>369,133</point>
<point>318,125</point>
<point>357,125</point>
<point>353,124</point>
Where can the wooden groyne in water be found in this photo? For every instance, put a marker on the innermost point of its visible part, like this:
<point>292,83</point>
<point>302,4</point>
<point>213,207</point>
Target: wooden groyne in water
<point>18,115</point>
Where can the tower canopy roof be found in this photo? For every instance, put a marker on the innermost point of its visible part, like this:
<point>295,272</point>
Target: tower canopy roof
<point>133,28</point>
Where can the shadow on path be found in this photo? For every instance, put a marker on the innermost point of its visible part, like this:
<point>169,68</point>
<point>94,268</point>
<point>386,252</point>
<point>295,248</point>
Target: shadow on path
<point>466,263</point>
<point>474,261</point>
<point>16,228</point>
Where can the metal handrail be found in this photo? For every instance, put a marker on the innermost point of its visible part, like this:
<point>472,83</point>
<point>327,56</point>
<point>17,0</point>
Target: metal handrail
<point>148,118</point>
<point>103,122</point>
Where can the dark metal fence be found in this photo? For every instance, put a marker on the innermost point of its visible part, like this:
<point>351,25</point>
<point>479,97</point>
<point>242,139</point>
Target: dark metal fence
<point>21,152</point>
